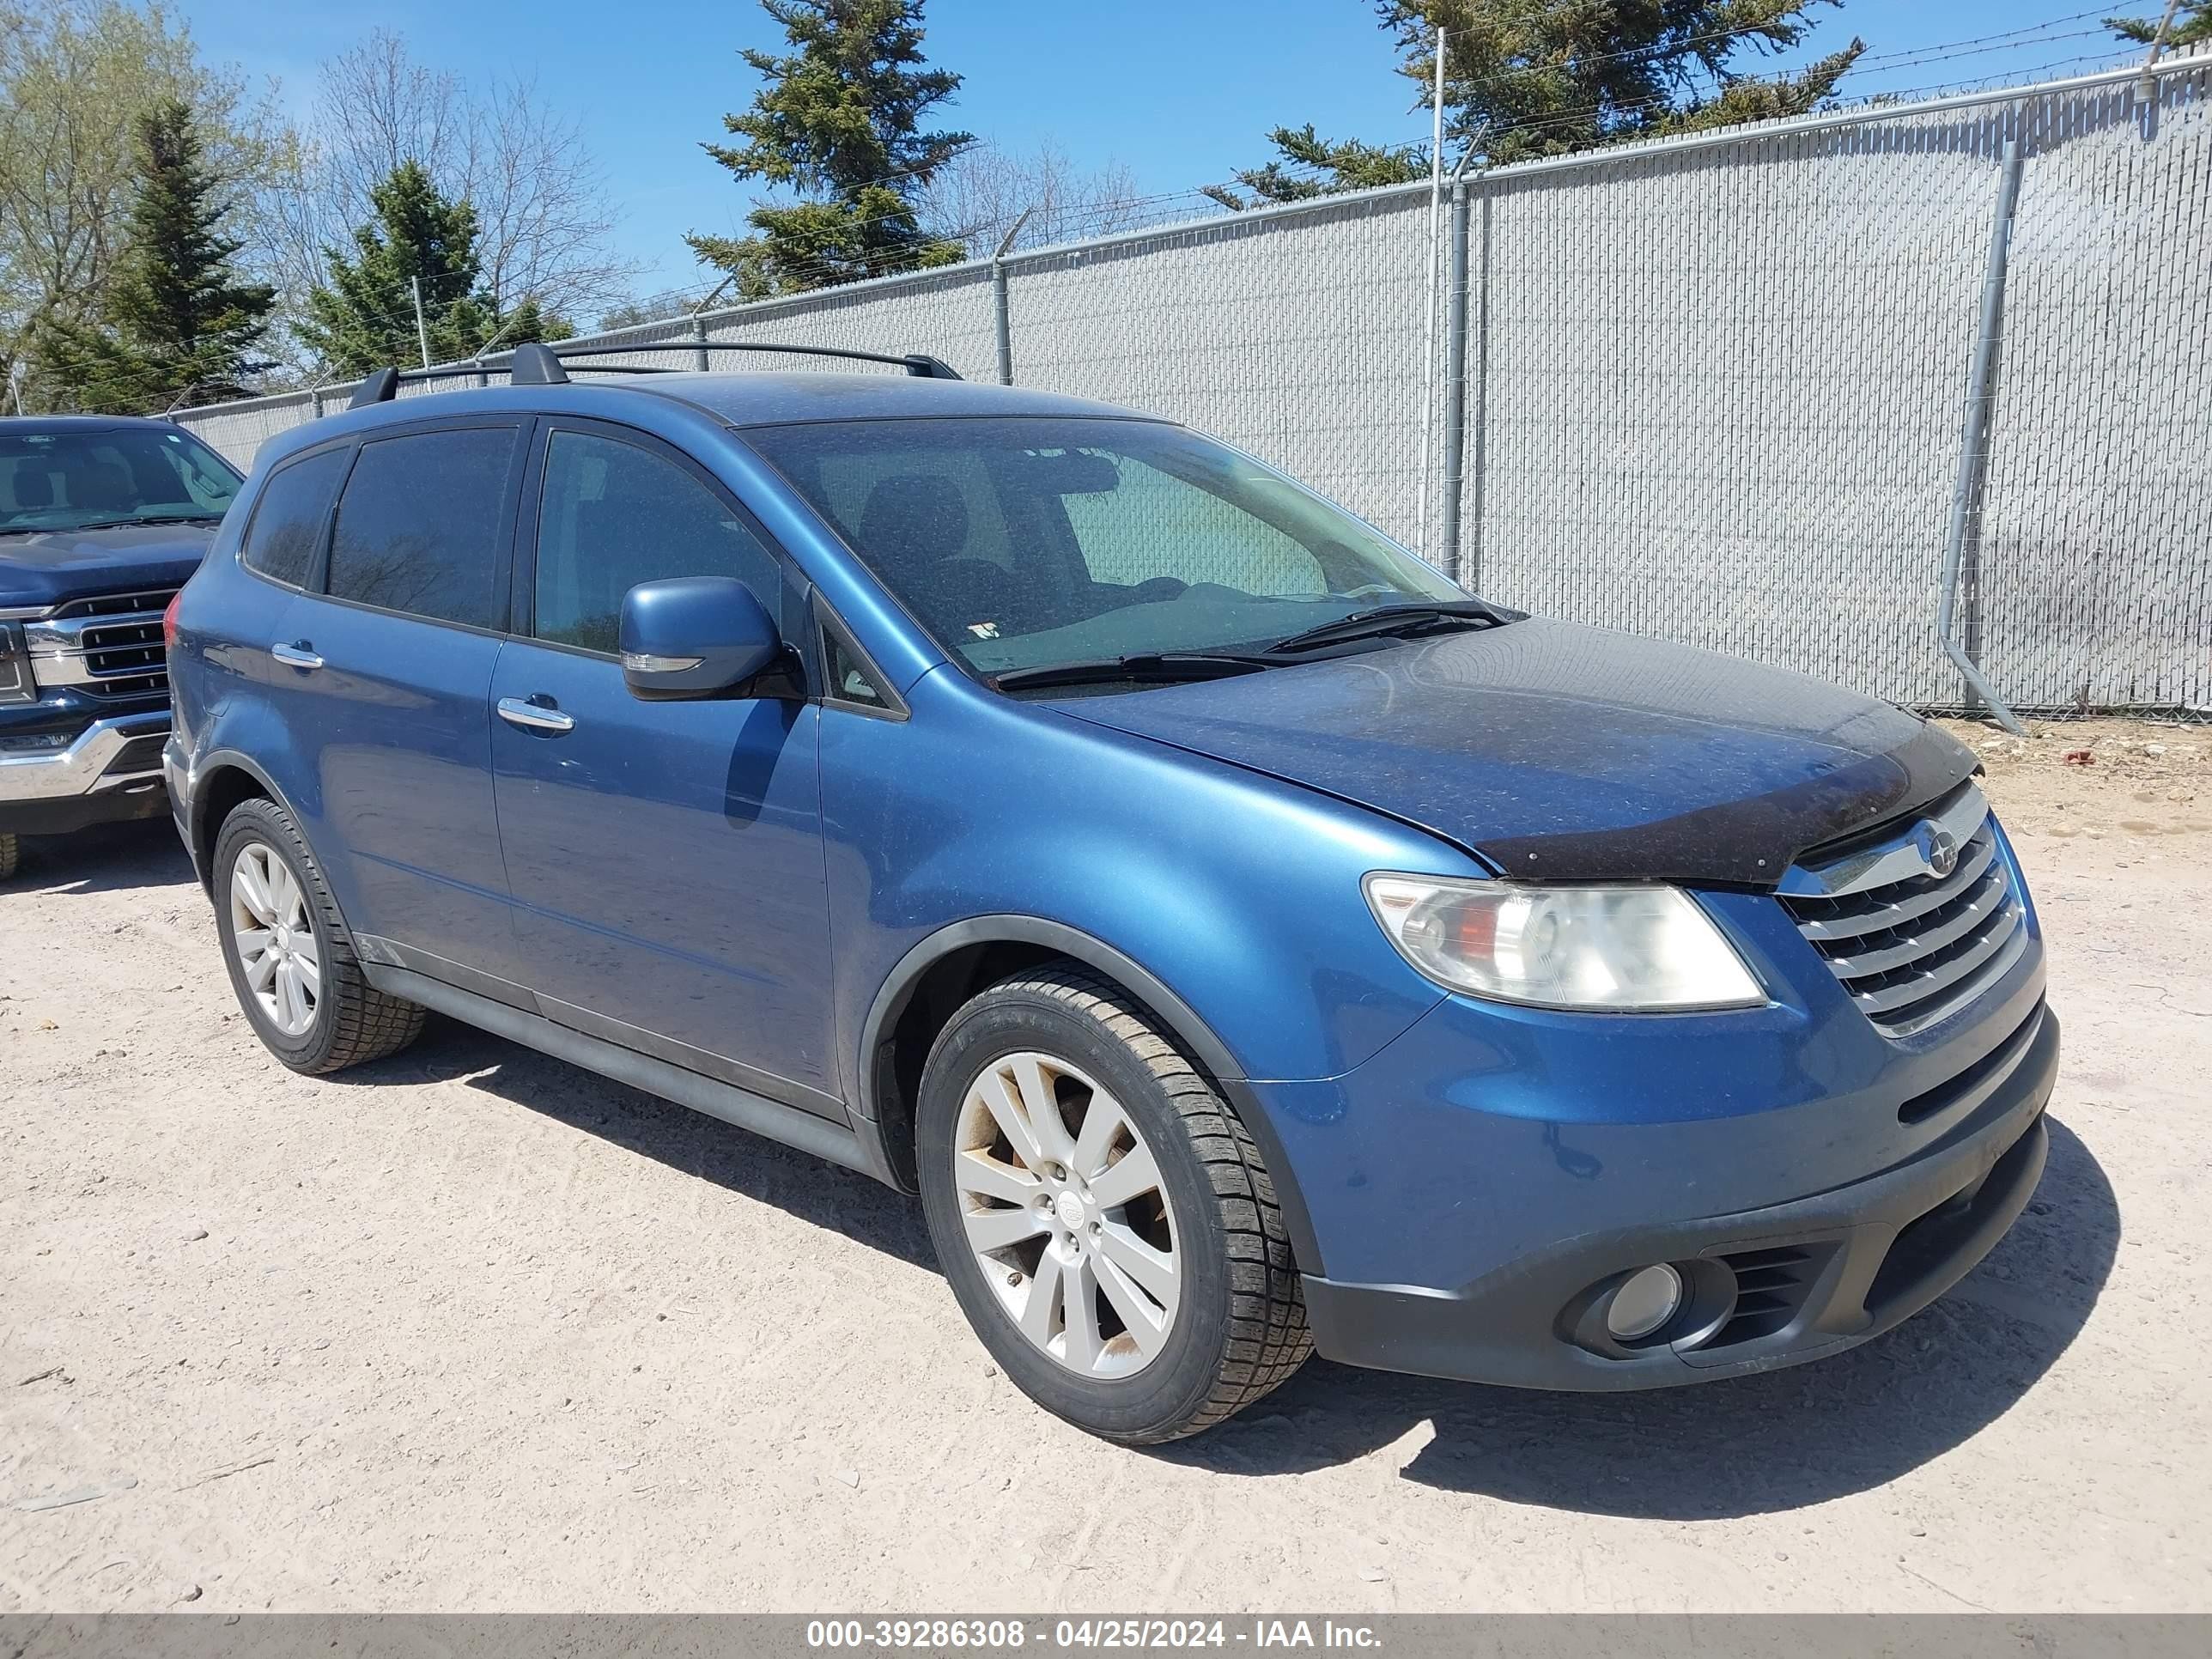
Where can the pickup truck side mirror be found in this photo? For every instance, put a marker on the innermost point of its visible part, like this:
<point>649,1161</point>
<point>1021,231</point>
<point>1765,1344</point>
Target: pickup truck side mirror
<point>694,636</point>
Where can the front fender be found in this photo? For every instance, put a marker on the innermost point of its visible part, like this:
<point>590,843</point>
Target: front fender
<point>1234,896</point>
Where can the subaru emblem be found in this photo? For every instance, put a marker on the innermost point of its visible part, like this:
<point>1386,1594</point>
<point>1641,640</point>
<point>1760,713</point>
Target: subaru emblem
<point>1941,848</point>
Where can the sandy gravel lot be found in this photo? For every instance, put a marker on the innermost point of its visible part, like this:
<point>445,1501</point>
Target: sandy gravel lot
<point>470,1329</point>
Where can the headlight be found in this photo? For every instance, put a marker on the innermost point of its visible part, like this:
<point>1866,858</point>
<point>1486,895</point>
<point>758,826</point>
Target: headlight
<point>16,684</point>
<point>1621,948</point>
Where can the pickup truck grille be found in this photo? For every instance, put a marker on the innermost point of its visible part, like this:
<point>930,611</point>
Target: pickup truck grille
<point>113,645</point>
<point>1914,939</point>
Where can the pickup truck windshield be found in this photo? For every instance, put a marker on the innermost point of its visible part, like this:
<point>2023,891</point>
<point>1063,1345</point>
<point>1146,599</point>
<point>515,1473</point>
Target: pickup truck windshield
<point>73,480</point>
<point>1031,542</point>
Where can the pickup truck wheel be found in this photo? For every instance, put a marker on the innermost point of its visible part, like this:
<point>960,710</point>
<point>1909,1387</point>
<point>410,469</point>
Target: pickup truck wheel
<point>290,957</point>
<point>11,857</point>
<point>1105,1221</point>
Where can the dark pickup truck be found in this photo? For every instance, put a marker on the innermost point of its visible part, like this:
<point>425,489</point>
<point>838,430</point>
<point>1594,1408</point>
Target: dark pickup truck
<point>101,519</point>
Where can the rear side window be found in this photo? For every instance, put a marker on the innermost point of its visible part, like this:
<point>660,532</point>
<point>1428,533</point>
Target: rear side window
<point>615,515</point>
<point>418,526</point>
<point>287,520</point>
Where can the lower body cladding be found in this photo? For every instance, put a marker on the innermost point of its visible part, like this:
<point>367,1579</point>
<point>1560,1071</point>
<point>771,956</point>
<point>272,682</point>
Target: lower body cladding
<point>1582,1294</point>
<point>108,772</point>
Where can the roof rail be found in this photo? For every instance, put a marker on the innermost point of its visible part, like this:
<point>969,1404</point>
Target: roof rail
<point>533,361</point>
<point>381,386</point>
<point>532,364</point>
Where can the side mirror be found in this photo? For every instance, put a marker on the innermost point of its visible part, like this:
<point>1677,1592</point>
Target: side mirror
<point>694,636</point>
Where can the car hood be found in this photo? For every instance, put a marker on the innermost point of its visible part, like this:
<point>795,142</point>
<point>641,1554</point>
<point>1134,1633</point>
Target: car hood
<point>55,566</point>
<point>1562,753</point>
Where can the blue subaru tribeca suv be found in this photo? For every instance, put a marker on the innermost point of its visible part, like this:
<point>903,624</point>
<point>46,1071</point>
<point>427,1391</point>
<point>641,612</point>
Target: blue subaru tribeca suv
<point>1244,942</point>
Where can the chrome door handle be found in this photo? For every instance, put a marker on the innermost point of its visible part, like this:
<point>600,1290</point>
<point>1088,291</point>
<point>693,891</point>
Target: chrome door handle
<point>535,717</point>
<point>296,656</point>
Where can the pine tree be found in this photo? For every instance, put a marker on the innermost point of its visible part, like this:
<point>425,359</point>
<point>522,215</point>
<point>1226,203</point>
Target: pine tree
<point>365,318</point>
<point>175,325</point>
<point>2191,26</point>
<point>838,121</point>
<point>1525,78</point>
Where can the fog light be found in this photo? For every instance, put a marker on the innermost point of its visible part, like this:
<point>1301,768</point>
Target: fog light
<point>1646,1300</point>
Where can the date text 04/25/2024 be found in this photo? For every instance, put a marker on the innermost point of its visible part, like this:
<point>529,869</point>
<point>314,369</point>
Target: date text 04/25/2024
<point>988,1634</point>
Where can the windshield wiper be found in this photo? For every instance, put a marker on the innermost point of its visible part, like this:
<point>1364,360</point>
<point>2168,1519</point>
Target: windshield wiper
<point>125,524</point>
<point>1147,667</point>
<point>1402,620</point>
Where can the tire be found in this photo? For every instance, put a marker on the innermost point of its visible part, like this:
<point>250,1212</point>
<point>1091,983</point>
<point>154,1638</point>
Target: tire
<point>11,857</point>
<point>1219,1326</point>
<point>346,1020</point>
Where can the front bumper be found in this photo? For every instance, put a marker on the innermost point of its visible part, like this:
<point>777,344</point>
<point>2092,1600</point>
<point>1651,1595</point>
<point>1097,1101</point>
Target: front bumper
<point>1770,1287</point>
<point>111,770</point>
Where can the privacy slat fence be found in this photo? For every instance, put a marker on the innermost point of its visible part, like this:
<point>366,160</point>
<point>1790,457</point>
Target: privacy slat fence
<point>1715,388</point>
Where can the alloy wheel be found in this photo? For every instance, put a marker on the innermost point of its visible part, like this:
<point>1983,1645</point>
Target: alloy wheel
<point>274,940</point>
<point>1066,1212</point>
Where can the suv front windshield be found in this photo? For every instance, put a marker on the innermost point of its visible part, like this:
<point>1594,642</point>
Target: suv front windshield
<point>1029,542</point>
<point>71,480</point>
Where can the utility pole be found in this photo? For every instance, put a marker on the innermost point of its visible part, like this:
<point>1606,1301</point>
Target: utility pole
<point>422,328</point>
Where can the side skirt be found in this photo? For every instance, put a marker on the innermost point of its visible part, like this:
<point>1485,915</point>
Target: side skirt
<point>741,1107</point>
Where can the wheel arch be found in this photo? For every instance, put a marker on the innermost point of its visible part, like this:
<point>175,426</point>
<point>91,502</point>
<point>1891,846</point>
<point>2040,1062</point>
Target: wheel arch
<point>943,970</point>
<point>221,781</point>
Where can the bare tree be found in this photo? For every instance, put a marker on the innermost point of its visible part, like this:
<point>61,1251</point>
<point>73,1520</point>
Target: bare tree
<point>544,214</point>
<point>976,197</point>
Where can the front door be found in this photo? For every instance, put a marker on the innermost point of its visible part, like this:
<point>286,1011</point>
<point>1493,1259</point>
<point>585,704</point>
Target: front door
<point>665,858</point>
<point>387,676</point>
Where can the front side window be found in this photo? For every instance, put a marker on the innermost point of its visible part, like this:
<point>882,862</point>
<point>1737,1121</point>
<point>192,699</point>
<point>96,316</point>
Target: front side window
<point>1031,542</point>
<point>87,478</point>
<point>288,516</point>
<point>613,516</point>
<point>418,526</point>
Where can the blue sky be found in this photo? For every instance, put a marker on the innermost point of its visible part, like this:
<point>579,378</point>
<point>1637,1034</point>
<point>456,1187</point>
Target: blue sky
<point>1178,92</point>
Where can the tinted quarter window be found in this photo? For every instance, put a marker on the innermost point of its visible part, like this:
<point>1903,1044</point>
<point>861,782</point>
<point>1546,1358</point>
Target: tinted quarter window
<point>848,681</point>
<point>615,515</point>
<point>418,527</point>
<point>287,520</point>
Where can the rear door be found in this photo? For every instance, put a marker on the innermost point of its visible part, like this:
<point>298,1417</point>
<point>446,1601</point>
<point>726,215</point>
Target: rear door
<point>665,858</point>
<point>388,662</point>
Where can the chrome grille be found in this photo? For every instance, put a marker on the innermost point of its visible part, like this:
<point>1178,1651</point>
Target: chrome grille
<point>108,646</point>
<point>1911,946</point>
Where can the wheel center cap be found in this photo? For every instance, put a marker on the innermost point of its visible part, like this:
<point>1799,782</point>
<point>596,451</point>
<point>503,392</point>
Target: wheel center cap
<point>1069,1208</point>
<point>283,937</point>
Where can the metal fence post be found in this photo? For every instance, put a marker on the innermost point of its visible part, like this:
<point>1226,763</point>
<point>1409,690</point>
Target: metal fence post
<point>1973,442</point>
<point>1455,383</point>
<point>1002,323</point>
<point>1471,579</point>
<point>699,333</point>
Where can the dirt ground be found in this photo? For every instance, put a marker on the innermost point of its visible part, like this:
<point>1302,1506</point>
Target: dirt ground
<point>471,1329</point>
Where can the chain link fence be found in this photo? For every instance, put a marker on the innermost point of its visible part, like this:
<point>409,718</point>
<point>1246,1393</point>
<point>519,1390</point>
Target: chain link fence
<point>1715,388</point>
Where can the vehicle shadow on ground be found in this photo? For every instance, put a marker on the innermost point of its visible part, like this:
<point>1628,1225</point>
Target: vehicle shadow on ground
<point>107,858</point>
<point>1745,1446</point>
<point>799,1183</point>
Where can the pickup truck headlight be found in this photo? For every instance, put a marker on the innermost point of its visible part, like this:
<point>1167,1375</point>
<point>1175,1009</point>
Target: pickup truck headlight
<point>1621,948</point>
<point>16,684</point>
